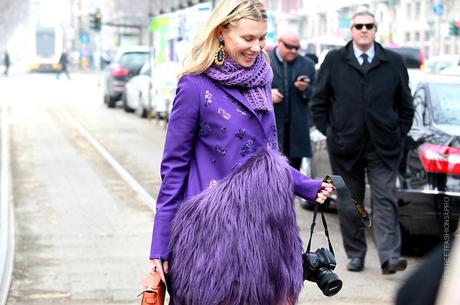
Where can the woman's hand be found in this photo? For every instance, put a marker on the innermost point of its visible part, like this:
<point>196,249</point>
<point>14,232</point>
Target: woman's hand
<point>155,266</point>
<point>157,263</point>
<point>325,191</point>
<point>277,96</point>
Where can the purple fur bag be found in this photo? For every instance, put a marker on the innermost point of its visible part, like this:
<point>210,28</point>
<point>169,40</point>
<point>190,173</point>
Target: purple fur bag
<point>238,243</point>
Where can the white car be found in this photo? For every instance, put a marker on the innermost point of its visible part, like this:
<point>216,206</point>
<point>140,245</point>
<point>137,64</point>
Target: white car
<point>437,64</point>
<point>164,89</point>
<point>137,92</point>
<point>151,92</point>
<point>454,70</point>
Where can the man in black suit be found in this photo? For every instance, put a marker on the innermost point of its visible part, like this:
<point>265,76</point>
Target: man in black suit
<point>362,103</point>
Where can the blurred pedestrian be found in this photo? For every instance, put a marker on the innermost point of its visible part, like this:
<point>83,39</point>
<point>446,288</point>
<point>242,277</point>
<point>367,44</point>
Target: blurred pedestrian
<point>63,62</point>
<point>421,287</point>
<point>449,292</point>
<point>212,229</point>
<point>6,62</point>
<point>362,103</point>
<point>293,78</point>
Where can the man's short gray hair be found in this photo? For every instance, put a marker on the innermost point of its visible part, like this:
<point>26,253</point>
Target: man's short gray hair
<point>363,11</point>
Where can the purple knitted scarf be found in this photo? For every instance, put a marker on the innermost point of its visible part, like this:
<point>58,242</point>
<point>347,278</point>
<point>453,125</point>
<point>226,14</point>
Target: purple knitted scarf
<point>253,81</point>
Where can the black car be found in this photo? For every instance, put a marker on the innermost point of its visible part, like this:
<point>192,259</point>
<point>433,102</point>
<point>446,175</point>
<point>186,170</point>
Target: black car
<point>429,176</point>
<point>429,190</point>
<point>127,63</point>
<point>413,57</point>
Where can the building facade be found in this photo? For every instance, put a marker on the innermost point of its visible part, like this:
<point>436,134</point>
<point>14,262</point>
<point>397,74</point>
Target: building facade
<point>416,23</point>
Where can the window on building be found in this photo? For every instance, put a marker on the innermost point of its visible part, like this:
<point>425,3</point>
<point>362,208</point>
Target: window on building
<point>417,36</point>
<point>427,35</point>
<point>408,37</point>
<point>417,10</point>
<point>408,10</point>
<point>447,48</point>
<point>274,4</point>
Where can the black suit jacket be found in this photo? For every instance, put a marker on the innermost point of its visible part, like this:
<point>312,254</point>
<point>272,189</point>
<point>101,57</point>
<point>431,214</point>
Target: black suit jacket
<point>351,107</point>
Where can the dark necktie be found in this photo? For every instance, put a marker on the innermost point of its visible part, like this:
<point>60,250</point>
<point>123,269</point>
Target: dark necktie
<point>365,64</point>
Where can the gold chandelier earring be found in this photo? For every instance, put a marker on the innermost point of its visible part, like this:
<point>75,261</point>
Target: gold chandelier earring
<point>219,58</point>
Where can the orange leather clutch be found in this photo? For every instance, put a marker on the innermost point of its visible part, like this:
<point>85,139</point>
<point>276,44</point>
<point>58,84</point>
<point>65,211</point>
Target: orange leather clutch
<point>154,294</point>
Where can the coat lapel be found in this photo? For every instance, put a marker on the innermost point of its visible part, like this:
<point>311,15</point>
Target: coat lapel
<point>350,57</point>
<point>241,99</point>
<point>379,57</point>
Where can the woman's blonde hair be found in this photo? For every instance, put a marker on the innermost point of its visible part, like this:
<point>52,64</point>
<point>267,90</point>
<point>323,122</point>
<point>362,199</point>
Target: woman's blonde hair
<point>206,44</point>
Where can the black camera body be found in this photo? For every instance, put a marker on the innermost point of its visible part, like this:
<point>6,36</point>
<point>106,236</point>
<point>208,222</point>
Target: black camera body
<point>318,267</point>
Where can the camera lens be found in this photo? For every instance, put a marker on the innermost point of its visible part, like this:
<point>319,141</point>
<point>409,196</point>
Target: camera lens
<point>328,282</point>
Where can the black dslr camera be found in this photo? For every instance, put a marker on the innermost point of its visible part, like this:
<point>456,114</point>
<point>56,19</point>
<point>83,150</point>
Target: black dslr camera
<point>318,267</point>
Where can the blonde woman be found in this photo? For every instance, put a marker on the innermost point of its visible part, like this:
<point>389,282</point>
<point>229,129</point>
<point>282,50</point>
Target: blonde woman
<point>224,229</point>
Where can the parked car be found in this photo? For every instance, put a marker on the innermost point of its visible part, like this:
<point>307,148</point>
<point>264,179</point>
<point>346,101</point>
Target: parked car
<point>137,92</point>
<point>429,176</point>
<point>126,64</point>
<point>436,64</point>
<point>413,57</point>
<point>429,190</point>
<point>454,70</point>
<point>164,89</point>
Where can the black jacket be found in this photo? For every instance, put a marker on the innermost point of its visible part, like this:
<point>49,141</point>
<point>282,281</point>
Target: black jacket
<point>351,107</point>
<point>296,110</point>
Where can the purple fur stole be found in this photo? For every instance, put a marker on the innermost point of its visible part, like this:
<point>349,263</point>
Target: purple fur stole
<point>238,243</point>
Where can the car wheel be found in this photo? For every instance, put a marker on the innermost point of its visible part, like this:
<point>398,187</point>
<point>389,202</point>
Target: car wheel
<point>417,245</point>
<point>110,101</point>
<point>124,100</point>
<point>141,111</point>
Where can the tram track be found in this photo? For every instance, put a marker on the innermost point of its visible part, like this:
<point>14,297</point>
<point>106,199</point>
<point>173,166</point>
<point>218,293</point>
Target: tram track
<point>129,195</point>
<point>135,185</point>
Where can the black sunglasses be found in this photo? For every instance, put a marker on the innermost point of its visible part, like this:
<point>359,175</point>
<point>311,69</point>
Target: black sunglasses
<point>290,46</point>
<point>359,26</point>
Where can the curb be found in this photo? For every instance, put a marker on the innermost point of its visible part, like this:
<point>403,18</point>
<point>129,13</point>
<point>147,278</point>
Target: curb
<point>6,213</point>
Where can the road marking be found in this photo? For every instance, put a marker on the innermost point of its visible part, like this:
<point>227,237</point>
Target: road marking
<point>119,169</point>
<point>6,214</point>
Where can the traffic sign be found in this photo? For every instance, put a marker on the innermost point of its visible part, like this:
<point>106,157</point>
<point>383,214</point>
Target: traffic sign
<point>84,38</point>
<point>439,9</point>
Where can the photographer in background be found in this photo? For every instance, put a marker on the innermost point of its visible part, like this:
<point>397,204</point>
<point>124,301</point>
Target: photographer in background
<point>293,77</point>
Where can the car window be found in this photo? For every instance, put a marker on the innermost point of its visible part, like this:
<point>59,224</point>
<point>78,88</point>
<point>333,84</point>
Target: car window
<point>419,105</point>
<point>145,70</point>
<point>410,56</point>
<point>445,102</point>
<point>133,60</point>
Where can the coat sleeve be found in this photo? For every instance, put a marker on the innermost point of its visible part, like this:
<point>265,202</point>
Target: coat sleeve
<point>310,66</point>
<point>404,99</point>
<point>321,96</point>
<point>175,165</point>
<point>304,186</point>
<point>305,66</point>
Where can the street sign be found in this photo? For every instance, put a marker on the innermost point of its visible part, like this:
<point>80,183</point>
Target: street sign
<point>439,9</point>
<point>84,38</point>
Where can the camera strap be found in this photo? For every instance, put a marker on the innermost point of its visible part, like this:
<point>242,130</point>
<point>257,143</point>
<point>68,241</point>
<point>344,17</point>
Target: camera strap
<point>312,228</point>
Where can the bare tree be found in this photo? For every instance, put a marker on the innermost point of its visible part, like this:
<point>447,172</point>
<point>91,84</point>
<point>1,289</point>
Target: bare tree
<point>12,13</point>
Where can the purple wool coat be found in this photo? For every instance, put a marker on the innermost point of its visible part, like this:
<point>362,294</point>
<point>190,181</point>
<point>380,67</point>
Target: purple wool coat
<point>212,131</point>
